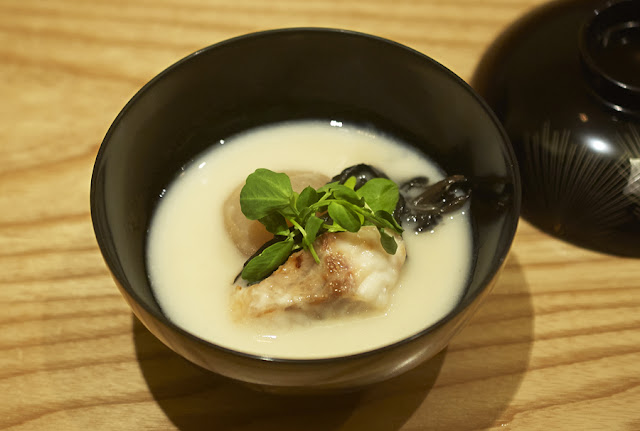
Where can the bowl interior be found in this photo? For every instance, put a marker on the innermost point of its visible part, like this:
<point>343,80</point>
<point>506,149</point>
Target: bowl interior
<point>296,74</point>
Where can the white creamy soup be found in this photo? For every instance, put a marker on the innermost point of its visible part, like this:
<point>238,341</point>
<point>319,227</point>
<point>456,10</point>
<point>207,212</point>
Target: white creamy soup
<point>192,261</point>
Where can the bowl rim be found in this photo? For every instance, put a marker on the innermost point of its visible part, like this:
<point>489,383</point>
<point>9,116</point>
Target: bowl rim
<point>508,232</point>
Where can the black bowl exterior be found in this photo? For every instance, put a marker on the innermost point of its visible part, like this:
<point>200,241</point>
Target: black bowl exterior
<point>308,376</point>
<point>567,94</point>
<point>297,74</point>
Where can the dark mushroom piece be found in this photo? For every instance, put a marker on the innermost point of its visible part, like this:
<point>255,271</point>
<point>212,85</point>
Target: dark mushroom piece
<point>420,203</point>
<point>425,204</point>
<point>361,172</point>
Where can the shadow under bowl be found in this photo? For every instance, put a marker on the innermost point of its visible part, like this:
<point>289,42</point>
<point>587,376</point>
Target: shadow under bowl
<point>293,74</point>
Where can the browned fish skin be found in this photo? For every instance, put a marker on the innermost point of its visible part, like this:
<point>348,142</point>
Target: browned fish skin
<point>354,274</point>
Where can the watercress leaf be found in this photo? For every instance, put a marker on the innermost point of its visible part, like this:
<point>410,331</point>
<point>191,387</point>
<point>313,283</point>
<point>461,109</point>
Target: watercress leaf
<point>388,242</point>
<point>327,187</point>
<point>264,192</point>
<point>388,220</point>
<point>288,212</point>
<point>335,228</point>
<point>268,261</point>
<point>321,208</point>
<point>351,182</point>
<point>304,214</point>
<point>307,197</point>
<point>379,222</point>
<point>345,193</point>
<point>276,224</point>
<point>344,217</point>
<point>312,227</point>
<point>381,194</point>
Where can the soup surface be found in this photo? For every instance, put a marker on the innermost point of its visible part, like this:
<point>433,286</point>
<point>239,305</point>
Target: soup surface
<point>192,261</point>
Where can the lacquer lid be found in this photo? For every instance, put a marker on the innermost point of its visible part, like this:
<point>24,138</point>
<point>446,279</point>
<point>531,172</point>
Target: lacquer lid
<point>565,82</point>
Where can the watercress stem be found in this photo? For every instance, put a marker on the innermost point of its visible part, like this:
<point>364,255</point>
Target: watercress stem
<point>304,234</point>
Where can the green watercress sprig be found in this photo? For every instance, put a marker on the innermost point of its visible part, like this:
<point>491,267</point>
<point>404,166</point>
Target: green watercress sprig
<point>297,219</point>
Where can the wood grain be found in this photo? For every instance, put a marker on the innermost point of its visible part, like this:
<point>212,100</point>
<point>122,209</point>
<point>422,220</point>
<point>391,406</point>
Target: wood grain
<point>556,345</point>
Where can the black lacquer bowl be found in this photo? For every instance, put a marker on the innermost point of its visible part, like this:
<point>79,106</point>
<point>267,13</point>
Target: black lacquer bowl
<point>565,82</point>
<point>294,74</point>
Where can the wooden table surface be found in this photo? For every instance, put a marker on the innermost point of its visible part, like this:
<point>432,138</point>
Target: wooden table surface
<point>555,346</point>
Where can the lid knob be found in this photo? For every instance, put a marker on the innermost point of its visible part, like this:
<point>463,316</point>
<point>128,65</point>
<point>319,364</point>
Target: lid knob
<point>610,52</point>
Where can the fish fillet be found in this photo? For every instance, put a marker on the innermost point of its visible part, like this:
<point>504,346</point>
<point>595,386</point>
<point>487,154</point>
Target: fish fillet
<point>355,274</point>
